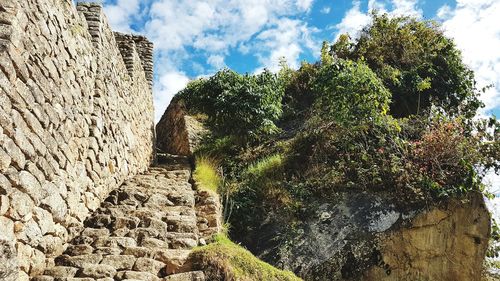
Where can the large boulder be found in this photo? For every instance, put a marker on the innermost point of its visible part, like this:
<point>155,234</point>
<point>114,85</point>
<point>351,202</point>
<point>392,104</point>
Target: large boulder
<point>177,132</point>
<point>369,236</point>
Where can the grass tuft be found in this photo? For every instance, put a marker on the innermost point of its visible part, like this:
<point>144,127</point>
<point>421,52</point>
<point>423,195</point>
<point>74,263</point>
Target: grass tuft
<point>206,174</point>
<point>225,260</point>
<point>266,167</point>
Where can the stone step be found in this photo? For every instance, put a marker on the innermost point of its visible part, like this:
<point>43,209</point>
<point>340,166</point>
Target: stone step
<point>187,276</point>
<point>143,230</point>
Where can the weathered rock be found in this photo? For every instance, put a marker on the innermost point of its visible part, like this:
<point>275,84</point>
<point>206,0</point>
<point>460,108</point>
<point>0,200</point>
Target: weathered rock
<point>447,242</point>
<point>134,275</point>
<point>61,271</point>
<point>366,236</point>
<point>177,132</point>
<point>97,271</point>
<point>120,262</point>
<point>148,265</point>
<point>8,260</point>
<point>187,276</point>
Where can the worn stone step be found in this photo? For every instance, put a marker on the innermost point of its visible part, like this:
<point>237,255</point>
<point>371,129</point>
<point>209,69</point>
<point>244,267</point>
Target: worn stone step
<point>136,275</point>
<point>78,261</point>
<point>144,230</point>
<point>61,271</point>
<point>187,276</point>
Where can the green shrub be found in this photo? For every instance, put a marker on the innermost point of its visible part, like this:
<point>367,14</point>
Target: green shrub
<point>446,158</point>
<point>299,94</point>
<point>224,260</point>
<point>332,156</point>
<point>242,105</point>
<point>206,174</point>
<point>349,92</point>
<point>266,167</point>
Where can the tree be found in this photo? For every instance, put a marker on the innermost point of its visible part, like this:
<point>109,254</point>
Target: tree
<point>243,105</point>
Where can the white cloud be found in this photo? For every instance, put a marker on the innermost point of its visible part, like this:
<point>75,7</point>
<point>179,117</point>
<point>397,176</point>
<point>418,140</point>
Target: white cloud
<point>406,8</point>
<point>215,25</point>
<point>285,39</point>
<point>356,18</point>
<point>305,5</point>
<point>376,5</point>
<point>325,10</point>
<point>217,61</point>
<point>444,12</point>
<point>353,21</point>
<point>492,180</point>
<point>212,28</point>
<point>475,27</point>
<point>121,13</point>
<point>165,88</point>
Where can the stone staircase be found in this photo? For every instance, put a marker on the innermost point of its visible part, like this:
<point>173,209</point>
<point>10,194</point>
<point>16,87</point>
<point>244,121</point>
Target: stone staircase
<point>144,230</point>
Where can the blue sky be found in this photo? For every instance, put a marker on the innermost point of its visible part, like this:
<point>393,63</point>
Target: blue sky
<point>195,38</point>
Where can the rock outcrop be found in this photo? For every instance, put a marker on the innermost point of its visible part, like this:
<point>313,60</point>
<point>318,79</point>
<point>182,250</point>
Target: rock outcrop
<point>367,236</point>
<point>177,132</point>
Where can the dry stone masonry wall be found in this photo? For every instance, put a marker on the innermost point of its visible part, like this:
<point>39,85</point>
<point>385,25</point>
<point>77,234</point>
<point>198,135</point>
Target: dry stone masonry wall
<point>76,121</point>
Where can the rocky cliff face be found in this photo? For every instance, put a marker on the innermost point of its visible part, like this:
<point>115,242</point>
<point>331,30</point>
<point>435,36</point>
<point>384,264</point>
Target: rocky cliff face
<point>368,237</point>
<point>444,242</point>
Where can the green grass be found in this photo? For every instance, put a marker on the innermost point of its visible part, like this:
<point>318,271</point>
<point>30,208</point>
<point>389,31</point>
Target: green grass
<point>266,167</point>
<point>206,175</point>
<point>225,260</point>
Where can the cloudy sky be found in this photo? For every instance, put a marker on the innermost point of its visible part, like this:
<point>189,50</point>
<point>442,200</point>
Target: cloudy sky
<point>197,37</point>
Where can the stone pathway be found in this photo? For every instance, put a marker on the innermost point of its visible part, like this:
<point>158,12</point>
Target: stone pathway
<point>143,231</point>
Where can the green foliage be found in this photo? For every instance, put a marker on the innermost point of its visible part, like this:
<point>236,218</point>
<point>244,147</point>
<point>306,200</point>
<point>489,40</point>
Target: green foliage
<point>266,167</point>
<point>494,248</point>
<point>417,63</point>
<point>299,96</point>
<point>333,156</point>
<point>224,260</point>
<point>326,58</point>
<point>206,174</point>
<point>392,111</point>
<point>244,105</point>
<point>446,158</point>
<point>349,92</point>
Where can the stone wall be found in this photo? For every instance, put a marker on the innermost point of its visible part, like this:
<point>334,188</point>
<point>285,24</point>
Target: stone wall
<point>76,120</point>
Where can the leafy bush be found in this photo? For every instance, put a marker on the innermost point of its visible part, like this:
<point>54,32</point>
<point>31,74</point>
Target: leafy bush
<point>349,92</point>
<point>299,95</point>
<point>332,156</point>
<point>416,62</point>
<point>206,174</point>
<point>224,260</point>
<point>237,104</point>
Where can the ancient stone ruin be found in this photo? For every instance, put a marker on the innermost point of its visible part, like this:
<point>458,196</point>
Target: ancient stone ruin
<point>78,199</point>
